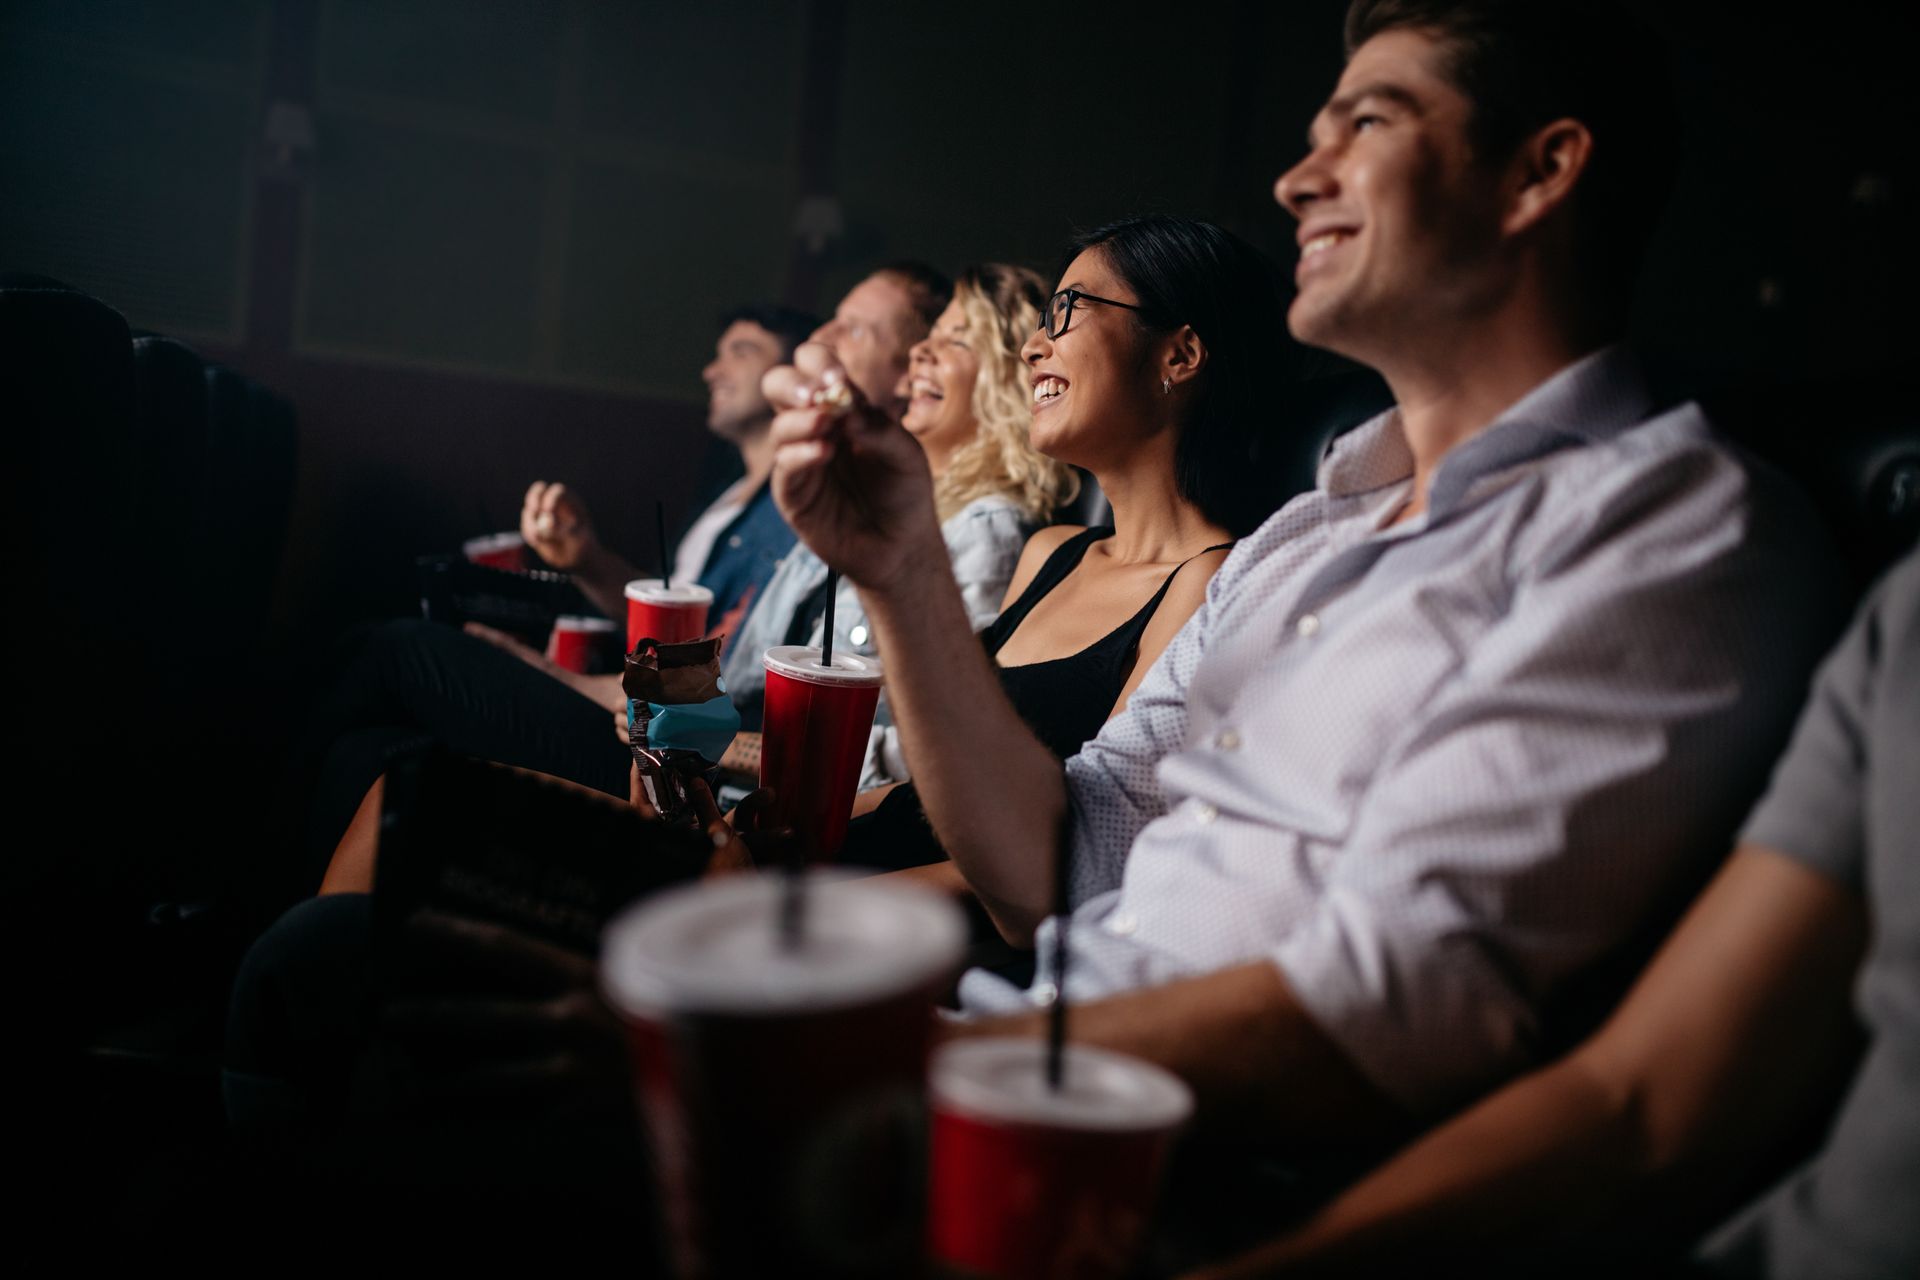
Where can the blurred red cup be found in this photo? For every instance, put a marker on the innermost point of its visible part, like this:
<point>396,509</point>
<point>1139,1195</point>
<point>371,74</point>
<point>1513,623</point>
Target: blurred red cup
<point>1033,1183</point>
<point>576,643</point>
<point>665,612</point>
<point>784,1091</point>
<point>815,727</point>
<point>497,551</point>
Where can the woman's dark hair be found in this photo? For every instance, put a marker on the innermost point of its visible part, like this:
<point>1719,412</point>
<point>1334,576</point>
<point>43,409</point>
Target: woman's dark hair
<point>1226,461</point>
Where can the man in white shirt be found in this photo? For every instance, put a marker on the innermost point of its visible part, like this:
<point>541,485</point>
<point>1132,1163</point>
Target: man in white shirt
<point>1451,737</point>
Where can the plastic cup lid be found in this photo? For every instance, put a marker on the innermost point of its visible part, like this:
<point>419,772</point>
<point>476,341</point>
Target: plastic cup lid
<point>715,947</point>
<point>1005,1080</point>
<point>577,622</point>
<point>492,542</point>
<point>654,591</point>
<point>802,662</point>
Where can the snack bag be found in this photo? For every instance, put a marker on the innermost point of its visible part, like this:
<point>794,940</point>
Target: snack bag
<point>680,720</point>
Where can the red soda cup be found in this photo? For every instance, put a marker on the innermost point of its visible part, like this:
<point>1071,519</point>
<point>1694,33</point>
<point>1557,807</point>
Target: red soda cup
<point>814,727</point>
<point>575,641</point>
<point>1033,1183</point>
<point>497,551</point>
<point>784,1089</point>
<point>665,612</point>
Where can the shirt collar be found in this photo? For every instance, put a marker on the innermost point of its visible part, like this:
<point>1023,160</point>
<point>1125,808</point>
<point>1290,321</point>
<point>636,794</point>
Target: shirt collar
<point>1595,398</point>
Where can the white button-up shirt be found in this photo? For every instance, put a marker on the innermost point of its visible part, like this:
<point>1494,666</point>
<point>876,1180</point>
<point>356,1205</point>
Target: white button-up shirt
<point>1449,775</point>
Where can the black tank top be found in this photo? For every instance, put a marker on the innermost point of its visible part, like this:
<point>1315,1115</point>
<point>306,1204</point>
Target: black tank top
<point>1063,700</point>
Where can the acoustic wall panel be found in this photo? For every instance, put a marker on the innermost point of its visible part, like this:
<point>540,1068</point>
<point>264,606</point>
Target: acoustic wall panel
<point>126,153</point>
<point>422,245</point>
<point>653,258</point>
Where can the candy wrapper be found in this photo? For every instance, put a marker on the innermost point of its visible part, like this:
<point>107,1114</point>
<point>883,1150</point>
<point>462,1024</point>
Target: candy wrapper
<point>680,720</point>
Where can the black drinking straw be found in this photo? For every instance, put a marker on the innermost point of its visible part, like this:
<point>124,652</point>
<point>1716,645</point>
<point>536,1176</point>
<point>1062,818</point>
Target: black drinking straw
<point>660,531</point>
<point>793,894</point>
<point>1057,1013</point>
<point>793,897</point>
<point>826,643</point>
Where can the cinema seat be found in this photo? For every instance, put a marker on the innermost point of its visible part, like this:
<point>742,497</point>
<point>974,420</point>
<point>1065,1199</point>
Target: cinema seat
<point>1853,444</point>
<point>242,531</point>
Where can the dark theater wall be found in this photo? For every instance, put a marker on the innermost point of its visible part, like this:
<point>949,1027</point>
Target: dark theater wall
<point>480,243</point>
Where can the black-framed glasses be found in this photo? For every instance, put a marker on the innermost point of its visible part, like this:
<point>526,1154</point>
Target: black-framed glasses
<point>1059,312</point>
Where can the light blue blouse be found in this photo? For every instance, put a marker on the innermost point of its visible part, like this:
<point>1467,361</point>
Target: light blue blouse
<point>984,540</point>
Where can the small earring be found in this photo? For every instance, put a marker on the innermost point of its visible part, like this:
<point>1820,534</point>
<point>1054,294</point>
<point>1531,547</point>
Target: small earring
<point>1166,386</point>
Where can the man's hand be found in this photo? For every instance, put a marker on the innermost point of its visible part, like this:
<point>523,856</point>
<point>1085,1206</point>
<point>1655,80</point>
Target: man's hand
<point>739,840</point>
<point>554,522</point>
<point>853,483</point>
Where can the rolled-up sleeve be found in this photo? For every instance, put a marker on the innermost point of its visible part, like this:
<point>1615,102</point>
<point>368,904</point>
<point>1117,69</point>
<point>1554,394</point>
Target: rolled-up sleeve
<point>1573,782</point>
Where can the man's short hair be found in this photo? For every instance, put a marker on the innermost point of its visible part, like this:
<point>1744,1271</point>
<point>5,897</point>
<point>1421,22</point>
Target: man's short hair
<point>788,326</point>
<point>1525,63</point>
<point>929,290</point>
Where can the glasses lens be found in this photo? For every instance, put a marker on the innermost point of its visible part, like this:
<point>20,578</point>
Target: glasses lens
<point>1059,310</point>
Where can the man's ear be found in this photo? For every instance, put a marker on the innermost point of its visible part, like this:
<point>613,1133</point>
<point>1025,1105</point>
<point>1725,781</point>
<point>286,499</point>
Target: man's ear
<point>1184,357</point>
<point>1544,172</point>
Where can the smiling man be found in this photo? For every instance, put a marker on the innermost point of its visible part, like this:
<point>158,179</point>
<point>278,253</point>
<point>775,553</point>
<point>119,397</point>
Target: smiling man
<point>1455,733</point>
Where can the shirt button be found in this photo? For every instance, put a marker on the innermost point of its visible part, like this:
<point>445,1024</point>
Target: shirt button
<point>858,635</point>
<point>1204,813</point>
<point>1308,626</point>
<point>734,541</point>
<point>1228,740</point>
<point>1044,993</point>
<point>1122,925</point>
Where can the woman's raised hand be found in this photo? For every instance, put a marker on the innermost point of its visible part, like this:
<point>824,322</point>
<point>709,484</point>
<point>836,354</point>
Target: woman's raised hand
<point>851,481</point>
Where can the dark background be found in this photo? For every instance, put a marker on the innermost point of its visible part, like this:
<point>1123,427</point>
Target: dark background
<point>501,254</point>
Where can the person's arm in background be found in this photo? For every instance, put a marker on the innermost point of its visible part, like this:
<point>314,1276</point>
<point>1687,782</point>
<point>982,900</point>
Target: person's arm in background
<point>1729,1045</point>
<point>603,689</point>
<point>555,523</point>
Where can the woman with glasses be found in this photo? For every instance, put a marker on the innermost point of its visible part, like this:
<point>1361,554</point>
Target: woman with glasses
<point>1146,370</point>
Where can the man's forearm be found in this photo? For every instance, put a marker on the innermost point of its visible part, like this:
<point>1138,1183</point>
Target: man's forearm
<point>1259,1067</point>
<point>993,792</point>
<point>602,576</point>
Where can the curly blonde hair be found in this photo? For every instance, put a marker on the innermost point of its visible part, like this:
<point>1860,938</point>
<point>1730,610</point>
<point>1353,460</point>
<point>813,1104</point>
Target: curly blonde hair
<point>1002,304</point>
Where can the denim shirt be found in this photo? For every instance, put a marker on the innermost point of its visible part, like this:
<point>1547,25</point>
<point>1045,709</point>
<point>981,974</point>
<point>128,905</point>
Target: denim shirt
<point>984,540</point>
<point>746,554</point>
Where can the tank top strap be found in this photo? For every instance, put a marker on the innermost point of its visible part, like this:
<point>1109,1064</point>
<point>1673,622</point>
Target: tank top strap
<point>1128,634</point>
<point>1065,559</point>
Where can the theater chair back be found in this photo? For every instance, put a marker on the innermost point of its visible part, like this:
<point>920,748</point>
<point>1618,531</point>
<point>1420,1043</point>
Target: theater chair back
<point>1319,410</point>
<point>1853,444</point>
<point>170,448</point>
<point>66,418</point>
<point>249,476</point>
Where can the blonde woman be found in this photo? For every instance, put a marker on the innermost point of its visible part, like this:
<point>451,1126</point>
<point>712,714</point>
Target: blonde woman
<point>970,407</point>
